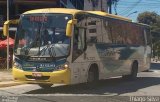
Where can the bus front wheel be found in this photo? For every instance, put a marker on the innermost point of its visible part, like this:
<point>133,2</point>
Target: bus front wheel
<point>93,74</point>
<point>45,86</point>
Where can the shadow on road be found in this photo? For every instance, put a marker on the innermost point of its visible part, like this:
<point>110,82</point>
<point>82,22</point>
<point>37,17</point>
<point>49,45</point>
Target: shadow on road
<point>109,86</point>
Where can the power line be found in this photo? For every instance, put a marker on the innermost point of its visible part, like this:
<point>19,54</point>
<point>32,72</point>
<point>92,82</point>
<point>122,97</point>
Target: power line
<point>141,4</point>
<point>130,8</point>
<point>129,2</point>
<point>124,4</point>
<point>149,6</point>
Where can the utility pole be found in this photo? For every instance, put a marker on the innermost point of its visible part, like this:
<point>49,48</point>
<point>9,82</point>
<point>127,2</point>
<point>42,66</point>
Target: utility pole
<point>7,36</point>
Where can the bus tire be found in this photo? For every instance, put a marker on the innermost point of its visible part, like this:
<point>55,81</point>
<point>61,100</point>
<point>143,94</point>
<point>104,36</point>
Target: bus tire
<point>45,86</point>
<point>134,72</point>
<point>93,74</point>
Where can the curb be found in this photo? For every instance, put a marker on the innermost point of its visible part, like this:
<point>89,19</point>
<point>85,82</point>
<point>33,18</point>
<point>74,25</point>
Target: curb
<point>10,83</point>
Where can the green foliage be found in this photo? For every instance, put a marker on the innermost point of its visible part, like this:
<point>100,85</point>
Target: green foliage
<point>149,18</point>
<point>152,19</point>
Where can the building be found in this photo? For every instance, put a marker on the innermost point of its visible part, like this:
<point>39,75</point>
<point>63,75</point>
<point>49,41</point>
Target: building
<point>94,24</point>
<point>19,6</point>
<point>96,5</point>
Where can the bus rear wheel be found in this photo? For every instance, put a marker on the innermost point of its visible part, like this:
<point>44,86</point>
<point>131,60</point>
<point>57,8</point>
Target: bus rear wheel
<point>45,86</point>
<point>133,74</point>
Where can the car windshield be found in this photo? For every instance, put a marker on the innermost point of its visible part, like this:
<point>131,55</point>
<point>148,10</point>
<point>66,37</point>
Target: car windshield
<point>42,35</point>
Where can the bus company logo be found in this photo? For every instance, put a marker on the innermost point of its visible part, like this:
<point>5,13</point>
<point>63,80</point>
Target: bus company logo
<point>47,65</point>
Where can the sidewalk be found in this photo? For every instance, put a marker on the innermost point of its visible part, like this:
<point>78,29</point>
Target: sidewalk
<point>6,79</point>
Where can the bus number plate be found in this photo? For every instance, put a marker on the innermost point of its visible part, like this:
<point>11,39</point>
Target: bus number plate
<point>37,74</point>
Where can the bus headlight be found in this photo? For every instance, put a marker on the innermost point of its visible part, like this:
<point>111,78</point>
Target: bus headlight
<point>17,65</point>
<point>66,66</point>
<point>62,67</point>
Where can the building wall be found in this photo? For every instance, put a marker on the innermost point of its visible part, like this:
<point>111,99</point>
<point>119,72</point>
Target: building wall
<point>97,5</point>
<point>19,6</point>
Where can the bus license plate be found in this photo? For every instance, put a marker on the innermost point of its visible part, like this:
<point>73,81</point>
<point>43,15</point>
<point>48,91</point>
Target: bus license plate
<point>37,74</point>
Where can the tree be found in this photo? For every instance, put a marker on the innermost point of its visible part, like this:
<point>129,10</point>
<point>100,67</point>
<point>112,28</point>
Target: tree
<point>152,19</point>
<point>147,17</point>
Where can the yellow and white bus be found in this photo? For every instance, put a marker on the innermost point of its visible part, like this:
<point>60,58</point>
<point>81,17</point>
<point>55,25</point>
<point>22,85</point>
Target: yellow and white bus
<point>68,46</point>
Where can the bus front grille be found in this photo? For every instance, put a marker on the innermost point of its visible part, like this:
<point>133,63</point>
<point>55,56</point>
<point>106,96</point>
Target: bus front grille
<point>37,78</point>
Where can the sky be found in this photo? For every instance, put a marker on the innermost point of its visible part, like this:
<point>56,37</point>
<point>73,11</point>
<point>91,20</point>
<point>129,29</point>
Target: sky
<point>131,8</point>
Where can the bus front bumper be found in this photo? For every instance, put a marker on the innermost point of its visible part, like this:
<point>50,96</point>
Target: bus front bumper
<point>55,77</point>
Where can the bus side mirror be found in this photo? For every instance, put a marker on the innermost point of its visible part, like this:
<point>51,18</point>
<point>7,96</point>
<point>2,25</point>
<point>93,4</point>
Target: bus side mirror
<point>69,27</point>
<point>6,26</point>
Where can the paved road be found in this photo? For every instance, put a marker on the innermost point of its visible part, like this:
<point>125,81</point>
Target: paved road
<point>147,84</point>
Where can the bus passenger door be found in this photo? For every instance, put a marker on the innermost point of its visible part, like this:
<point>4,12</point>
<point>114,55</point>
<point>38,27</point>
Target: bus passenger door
<point>77,54</point>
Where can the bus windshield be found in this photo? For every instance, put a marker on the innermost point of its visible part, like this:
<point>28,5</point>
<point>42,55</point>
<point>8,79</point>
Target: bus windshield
<point>42,35</point>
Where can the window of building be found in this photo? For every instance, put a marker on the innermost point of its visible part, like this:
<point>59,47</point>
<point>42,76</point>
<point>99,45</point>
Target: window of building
<point>92,23</point>
<point>93,30</point>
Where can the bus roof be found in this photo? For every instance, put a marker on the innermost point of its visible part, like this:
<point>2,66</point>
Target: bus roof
<point>142,24</point>
<point>116,17</point>
<point>109,15</point>
<point>53,10</point>
<point>75,11</point>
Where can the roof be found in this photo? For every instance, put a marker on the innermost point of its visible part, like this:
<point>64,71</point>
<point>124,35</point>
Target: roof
<point>109,15</point>
<point>142,24</point>
<point>75,11</point>
<point>53,10</point>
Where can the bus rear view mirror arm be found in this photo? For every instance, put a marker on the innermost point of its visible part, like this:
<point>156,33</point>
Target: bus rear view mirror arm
<point>69,27</point>
<point>6,26</point>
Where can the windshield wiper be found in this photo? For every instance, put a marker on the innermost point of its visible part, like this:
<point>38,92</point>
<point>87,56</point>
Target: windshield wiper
<point>27,48</point>
<point>25,57</point>
<point>51,50</point>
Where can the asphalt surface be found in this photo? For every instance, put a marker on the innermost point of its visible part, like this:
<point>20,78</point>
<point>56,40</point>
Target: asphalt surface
<point>144,89</point>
